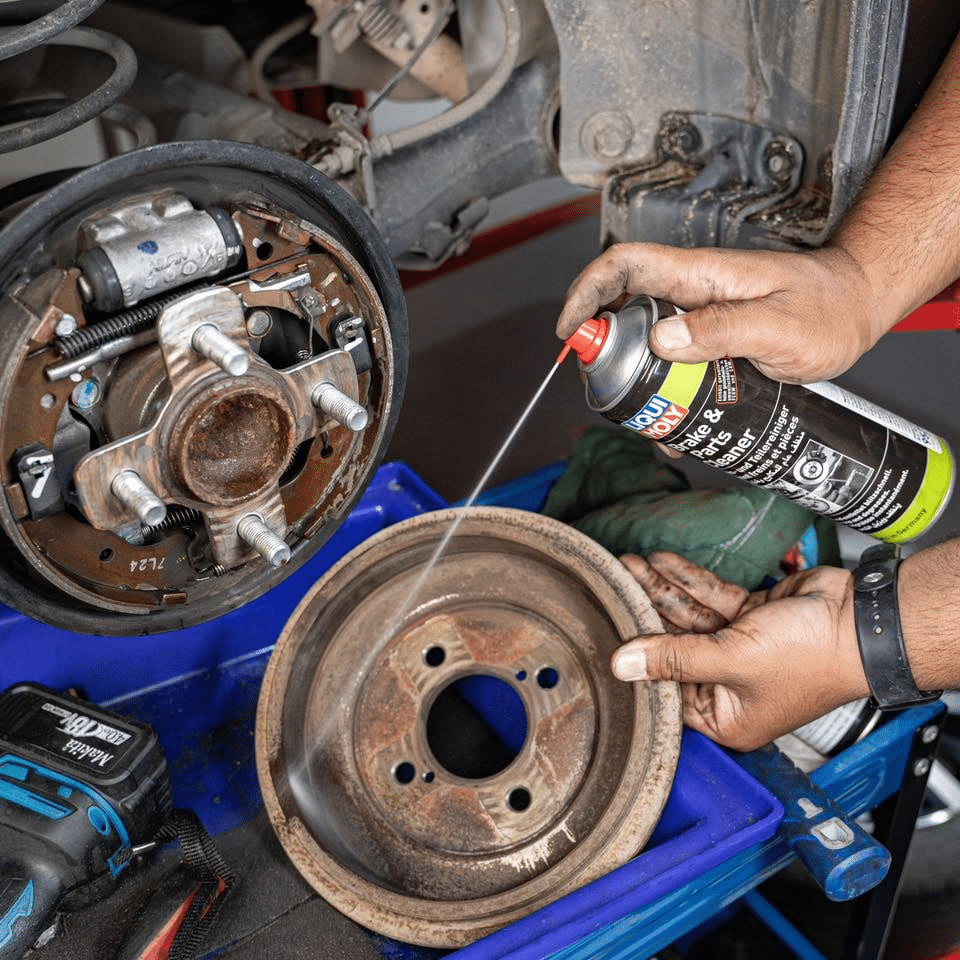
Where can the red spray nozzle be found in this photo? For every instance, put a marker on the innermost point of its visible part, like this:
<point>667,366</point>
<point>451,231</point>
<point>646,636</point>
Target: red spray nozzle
<point>586,341</point>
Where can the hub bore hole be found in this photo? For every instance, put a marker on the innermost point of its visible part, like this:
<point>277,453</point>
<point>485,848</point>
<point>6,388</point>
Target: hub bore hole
<point>106,555</point>
<point>476,726</point>
<point>404,772</point>
<point>519,799</point>
<point>548,678</point>
<point>434,656</point>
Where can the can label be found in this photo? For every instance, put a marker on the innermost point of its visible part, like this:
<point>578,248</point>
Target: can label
<point>838,729</point>
<point>831,451</point>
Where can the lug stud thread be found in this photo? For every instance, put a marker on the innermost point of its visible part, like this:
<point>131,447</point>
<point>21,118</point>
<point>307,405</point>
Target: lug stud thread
<point>273,548</point>
<point>335,403</point>
<point>135,495</point>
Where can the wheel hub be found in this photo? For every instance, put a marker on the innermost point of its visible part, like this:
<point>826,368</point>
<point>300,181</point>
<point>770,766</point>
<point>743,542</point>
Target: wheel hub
<point>233,444</point>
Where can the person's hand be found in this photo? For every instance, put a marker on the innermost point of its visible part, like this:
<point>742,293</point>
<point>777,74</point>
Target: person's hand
<point>800,317</point>
<point>752,666</point>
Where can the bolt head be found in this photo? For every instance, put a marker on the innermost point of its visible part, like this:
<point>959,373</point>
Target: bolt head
<point>921,767</point>
<point>779,161</point>
<point>678,137</point>
<point>929,734</point>
<point>259,323</point>
<point>66,325</point>
<point>86,394</point>
<point>607,134</point>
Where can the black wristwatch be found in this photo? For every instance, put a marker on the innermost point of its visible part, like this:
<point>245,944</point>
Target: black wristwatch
<point>879,634</point>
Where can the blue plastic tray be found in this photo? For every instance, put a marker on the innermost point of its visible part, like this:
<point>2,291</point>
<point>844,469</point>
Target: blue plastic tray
<point>715,810</point>
<point>111,668</point>
<point>198,689</point>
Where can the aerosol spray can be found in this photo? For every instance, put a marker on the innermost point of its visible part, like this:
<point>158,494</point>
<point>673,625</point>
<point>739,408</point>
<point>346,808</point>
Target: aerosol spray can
<point>831,451</point>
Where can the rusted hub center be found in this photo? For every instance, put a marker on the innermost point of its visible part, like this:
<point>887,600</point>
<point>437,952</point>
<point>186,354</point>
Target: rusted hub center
<point>231,442</point>
<point>459,654</point>
<point>442,747</point>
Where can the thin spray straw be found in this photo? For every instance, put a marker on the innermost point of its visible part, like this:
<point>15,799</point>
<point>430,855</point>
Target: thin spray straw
<point>448,536</point>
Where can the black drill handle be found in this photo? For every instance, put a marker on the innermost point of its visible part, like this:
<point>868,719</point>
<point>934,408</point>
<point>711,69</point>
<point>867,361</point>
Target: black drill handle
<point>28,901</point>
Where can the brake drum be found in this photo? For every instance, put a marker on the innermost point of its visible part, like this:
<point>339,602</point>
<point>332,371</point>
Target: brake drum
<point>373,752</point>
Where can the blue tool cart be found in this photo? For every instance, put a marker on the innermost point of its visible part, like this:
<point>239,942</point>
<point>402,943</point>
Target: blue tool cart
<point>730,821</point>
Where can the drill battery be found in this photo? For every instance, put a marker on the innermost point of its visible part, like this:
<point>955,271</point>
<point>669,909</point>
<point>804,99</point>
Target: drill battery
<point>80,787</point>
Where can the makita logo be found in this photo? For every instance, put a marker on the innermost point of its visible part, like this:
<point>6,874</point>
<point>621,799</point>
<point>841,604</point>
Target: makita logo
<point>658,417</point>
<point>79,725</point>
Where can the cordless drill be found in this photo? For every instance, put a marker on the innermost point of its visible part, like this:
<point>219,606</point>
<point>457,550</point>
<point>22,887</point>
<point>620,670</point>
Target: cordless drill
<point>80,787</point>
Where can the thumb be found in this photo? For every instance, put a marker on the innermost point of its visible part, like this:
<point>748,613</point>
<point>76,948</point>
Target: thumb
<point>725,329</point>
<point>682,657</point>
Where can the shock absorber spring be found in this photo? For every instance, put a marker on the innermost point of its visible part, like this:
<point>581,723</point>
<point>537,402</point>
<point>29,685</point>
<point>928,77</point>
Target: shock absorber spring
<point>58,26</point>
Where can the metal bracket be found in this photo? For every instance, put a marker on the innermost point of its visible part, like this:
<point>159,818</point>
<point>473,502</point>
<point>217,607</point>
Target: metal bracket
<point>439,241</point>
<point>894,821</point>
<point>352,151</point>
<point>711,176</point>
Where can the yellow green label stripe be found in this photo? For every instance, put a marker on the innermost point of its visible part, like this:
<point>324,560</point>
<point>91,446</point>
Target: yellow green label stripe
<point>934,490</point>
<point>682,382</point>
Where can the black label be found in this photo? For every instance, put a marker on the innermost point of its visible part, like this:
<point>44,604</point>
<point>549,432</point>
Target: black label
<point>827,457</point>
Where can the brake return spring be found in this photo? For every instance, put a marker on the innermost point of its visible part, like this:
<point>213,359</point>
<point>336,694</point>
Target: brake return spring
<point>123,324</point>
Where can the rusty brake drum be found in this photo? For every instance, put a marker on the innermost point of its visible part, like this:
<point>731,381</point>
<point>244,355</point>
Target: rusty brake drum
<point>442,747</point>
<point>204,356</point>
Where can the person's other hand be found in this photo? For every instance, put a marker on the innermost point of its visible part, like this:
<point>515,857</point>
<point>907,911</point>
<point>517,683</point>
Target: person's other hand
<point>752,666</point>
<point>800,317</point>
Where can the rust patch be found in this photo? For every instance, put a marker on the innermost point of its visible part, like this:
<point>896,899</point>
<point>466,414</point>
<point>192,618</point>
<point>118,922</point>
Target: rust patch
<point>444,857</point>
<point>234,446</point>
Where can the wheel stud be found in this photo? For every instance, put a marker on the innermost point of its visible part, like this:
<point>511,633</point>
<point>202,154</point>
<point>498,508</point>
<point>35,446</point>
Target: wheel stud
<point>273,548</point>
<point>334,403</point>
<point>135,495</point>
<point>217,347</point>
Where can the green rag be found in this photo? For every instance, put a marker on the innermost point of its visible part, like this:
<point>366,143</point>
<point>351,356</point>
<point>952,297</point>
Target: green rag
<point>618,492</point>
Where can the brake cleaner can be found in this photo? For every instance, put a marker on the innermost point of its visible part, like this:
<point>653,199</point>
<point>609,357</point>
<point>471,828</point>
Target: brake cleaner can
<point>829,450</point>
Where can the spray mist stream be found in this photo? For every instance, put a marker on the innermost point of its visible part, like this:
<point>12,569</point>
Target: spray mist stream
<point>313,808</point>
<point>461,513</point>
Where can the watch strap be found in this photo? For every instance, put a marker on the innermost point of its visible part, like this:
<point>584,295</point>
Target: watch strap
<point>879,633</point>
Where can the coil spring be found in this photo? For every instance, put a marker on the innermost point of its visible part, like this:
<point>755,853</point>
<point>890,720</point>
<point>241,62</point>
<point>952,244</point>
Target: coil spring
<point>380,23</point>
<point>34,121</point>
<point>176,517</point>
<point>140,317</point>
